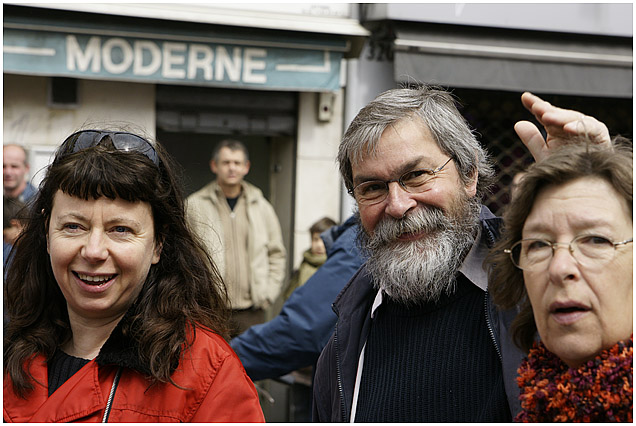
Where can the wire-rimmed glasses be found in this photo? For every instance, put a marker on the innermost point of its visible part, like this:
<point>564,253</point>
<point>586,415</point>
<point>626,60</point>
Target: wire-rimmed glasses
<point>414,181</point>
<point>535,254</point>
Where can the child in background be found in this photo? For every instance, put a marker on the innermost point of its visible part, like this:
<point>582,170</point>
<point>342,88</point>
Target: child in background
<point>313,257</point>
<point>13,223</point>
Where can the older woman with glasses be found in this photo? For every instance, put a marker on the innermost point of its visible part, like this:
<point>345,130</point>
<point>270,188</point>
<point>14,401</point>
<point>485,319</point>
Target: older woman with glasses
<point>116,312</point>
<point>565,259</point>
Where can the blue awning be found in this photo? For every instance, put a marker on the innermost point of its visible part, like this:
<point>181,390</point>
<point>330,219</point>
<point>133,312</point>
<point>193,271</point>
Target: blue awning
<point>192,55</point>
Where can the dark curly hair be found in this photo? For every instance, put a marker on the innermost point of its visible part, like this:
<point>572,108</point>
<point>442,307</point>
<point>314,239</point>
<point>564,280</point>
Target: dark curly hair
<point>183,291</point>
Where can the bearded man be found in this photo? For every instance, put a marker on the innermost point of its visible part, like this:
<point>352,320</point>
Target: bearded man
<point>417,337</point>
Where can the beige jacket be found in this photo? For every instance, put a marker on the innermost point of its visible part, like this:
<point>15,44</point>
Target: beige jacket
<point>265,241</point>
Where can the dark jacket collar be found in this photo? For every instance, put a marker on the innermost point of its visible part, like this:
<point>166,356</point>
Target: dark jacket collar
<point>121,349</point>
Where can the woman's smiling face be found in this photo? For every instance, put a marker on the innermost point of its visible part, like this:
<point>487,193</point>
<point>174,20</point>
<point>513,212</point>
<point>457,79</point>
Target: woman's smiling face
<point>101,252</point>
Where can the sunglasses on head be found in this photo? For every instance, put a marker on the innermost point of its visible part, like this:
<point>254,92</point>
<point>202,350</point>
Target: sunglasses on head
<point>122,141</point>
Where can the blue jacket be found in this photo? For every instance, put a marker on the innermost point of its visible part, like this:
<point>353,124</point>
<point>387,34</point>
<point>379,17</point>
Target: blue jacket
<point>335,374</point>
<point>295,338</point>
<point>29,192</point>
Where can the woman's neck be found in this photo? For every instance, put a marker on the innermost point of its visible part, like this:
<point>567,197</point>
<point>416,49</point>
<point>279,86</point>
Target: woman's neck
<point>88,336</point>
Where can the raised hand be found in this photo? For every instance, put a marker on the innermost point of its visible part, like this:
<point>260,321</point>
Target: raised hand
<point>563,127</point>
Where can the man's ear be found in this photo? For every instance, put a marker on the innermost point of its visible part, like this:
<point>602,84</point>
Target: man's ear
<point>213,166</point>
<point>247,166</point>
<point>471,185</point>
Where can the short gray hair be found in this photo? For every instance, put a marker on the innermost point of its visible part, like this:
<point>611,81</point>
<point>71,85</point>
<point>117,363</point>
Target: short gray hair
<point>233,145</point>
<point>435,107</point>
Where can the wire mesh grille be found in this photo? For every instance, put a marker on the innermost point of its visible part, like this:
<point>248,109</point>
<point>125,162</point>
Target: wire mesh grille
<point>493,115</point>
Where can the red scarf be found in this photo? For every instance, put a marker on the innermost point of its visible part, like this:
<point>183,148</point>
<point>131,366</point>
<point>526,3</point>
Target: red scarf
<point>598,391</point>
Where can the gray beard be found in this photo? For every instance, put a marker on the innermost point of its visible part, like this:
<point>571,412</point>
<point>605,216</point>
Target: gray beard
<point>420,271</point>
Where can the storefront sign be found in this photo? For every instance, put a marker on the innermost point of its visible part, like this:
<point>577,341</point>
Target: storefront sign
<point>156,60</point>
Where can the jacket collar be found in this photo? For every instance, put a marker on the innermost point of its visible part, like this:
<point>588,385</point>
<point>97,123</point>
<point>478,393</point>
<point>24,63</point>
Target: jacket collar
<point>121,349</point>
<point>213,191</point>
<point>473,267</point>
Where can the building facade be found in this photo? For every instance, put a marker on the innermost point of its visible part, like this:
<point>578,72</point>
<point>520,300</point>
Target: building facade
<point>189,76</point>
<point>575,55</point>
<point>288,78</point>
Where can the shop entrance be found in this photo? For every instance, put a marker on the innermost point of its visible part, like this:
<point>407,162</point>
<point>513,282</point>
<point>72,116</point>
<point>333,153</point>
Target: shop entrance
<point>191,120</point>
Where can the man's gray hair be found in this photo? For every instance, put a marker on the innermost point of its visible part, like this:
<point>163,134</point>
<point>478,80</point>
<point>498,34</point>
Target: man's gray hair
<point>233,145</point>
<point>437,110</point>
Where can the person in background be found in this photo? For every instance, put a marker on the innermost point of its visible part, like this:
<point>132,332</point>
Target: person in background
<point>292,341</point>
<point>313,257</point>
<point>296,336</point>
<point>566,259</point>
<point>13,222</point>
<point>15,169</point>
<point>418,337</point>
<point>13,211</point>
<point>117,312</point>
<point>242,234</point>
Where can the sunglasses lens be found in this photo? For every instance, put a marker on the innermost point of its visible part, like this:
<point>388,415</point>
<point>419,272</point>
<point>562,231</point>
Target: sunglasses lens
<point>130,142</point>
<point>85,140</point>
<point>121,140</point>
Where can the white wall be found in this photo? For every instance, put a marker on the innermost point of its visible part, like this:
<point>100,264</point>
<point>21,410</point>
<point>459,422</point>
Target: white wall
<point>599,18</point>
<point>29,121</point>
<point>317,176</point>
<point>327,18</point>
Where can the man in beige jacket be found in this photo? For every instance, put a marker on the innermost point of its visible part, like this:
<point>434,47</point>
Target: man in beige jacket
<point>242,234</point>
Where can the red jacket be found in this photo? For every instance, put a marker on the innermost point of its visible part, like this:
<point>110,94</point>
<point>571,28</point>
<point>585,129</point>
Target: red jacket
<point>216,389</point>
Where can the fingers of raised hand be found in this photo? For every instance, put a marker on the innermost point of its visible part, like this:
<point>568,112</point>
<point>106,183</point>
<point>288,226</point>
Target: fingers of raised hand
<point>532,139</point>
<point>565,125</point>
<point>589,128</point>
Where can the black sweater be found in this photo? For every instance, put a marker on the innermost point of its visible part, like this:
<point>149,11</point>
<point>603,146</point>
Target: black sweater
<point>410,352</point>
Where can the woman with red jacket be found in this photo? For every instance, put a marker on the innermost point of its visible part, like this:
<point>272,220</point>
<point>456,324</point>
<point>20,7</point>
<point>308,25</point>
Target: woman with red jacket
<point>116,313</point>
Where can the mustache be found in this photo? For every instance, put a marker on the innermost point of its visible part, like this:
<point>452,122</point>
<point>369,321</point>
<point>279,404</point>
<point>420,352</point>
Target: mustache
<point>428,219</point>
